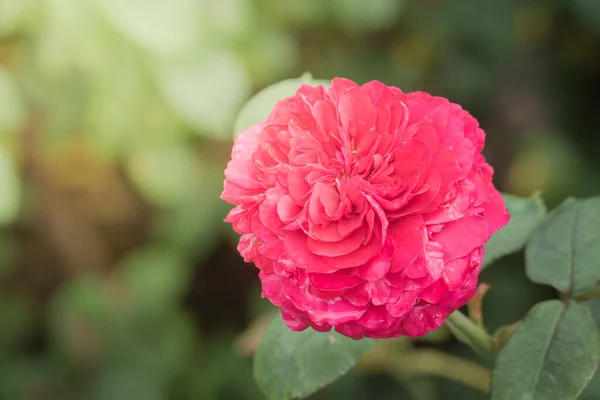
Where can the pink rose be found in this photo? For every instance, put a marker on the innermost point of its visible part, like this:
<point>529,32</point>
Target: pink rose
<point>364,208</point>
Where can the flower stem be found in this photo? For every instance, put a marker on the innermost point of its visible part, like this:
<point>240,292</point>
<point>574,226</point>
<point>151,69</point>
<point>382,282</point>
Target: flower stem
<point>436,363</point>
<point>408,364</point>
<point>588,296</point>
<point>469,333</point>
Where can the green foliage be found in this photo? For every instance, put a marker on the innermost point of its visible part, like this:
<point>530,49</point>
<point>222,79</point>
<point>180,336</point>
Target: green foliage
<point>589,13</point>
<point>290,365</point>
<point>166,175</point>
<point>526,214</point>
<point>12,112</point>
<point>206,90</point>
<point>184,222</point>
<point>160,27</point>
<point>380,14</point>
<point>18,319</point>
<point>17,15</point>
<point>10,188</point>
<point>155,278</point>
<point>118,278</point>
<point>564,252</point>
<point>552,355</point>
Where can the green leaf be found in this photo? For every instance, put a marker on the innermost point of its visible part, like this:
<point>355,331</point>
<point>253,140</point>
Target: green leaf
<point>289,365</point>
<point>257,109</point>
<point>552,355</point>
<point>564,251</point>
<point>526,214</point>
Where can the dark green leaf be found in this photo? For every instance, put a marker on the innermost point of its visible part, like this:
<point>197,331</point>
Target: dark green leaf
<point>258,107</point>
<point>526,214</point>
<point>290,364</point>
<point>552,355</point>
<point>592,390</point>
<point>564,251</point>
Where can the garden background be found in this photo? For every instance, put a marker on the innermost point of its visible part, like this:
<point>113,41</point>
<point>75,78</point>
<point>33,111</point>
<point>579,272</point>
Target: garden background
<point>118,278</point>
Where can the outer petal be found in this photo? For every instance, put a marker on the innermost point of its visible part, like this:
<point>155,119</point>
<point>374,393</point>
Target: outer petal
<point>364,208</point>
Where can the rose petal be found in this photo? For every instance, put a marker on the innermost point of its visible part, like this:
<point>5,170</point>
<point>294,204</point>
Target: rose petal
<point>364,209</point>
<point>461,237</point>
<point>335,281</point>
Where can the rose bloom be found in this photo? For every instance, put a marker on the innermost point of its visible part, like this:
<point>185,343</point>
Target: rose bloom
<point>364,208</point>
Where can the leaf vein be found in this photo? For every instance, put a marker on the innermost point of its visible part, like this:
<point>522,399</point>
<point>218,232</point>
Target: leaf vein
<point>287,377</point>
<point>547,347</point>
<point>572,248</point>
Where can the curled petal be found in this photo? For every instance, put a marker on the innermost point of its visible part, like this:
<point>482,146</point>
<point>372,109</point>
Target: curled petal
<point>365,209</point>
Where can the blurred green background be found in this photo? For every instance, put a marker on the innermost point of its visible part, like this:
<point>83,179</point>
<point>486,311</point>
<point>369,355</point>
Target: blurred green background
<point>119,280</point>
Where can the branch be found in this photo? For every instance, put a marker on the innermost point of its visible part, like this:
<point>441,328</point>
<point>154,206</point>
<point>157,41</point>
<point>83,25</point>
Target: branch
<point>413,363</point>
<point>469,333</point>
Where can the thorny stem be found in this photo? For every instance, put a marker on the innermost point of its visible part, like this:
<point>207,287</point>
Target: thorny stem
<point>469,333</point>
